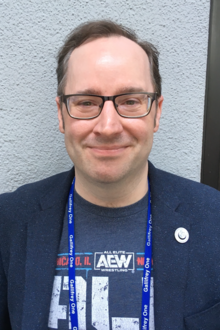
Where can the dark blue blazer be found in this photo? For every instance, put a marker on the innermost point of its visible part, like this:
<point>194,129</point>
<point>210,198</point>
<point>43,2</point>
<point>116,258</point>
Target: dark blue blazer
<point>186,276</point>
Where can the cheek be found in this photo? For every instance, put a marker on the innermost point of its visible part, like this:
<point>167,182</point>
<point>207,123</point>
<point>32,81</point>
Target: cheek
<point>141,130</point>
<point>76,131</point>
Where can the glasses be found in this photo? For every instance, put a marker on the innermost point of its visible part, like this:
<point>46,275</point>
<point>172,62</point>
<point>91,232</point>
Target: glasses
<point>128,105</point>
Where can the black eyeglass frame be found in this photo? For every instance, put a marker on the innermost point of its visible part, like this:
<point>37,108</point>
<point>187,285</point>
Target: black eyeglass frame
<point>152,96</point>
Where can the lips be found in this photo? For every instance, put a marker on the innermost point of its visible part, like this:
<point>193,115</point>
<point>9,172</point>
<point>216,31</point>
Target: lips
<point>108,150</point>
<point>114,147</point>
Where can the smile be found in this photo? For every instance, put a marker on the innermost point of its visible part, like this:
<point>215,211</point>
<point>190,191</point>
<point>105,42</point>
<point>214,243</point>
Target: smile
<point>108,150</point>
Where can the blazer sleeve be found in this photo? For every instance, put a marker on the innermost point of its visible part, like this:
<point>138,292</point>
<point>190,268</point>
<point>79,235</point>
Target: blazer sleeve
<point>4,313</point>
<point>4,316</point>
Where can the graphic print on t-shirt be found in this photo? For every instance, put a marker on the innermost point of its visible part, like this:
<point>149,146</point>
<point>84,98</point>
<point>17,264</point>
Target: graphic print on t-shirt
<point>107,261</point>
<point>108,279</point>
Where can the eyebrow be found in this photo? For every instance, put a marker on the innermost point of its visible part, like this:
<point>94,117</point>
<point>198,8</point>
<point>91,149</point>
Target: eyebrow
<point>119,91</point>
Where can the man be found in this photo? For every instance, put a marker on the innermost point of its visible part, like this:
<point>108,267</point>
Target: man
<point>109,106</point>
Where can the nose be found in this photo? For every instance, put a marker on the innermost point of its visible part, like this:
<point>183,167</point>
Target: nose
<point>108,122</point>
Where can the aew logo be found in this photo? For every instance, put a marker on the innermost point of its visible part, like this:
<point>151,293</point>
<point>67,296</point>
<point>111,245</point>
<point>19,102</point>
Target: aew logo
<point>119,261</point>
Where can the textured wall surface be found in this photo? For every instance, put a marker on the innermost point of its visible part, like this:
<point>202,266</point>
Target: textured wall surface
<point>31,33</point>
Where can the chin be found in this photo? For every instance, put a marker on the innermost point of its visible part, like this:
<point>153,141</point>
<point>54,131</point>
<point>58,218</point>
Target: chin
<point>107,175</point>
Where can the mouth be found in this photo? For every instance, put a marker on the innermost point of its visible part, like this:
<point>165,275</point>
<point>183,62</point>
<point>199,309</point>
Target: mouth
<point>108,150</point>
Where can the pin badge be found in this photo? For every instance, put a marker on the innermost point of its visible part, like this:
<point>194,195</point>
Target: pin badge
<point>181,235</point>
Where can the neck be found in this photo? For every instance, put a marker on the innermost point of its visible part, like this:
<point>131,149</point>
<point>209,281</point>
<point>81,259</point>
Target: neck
<point>116,194</point>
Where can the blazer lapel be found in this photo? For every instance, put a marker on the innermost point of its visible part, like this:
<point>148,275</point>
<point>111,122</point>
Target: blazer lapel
<point>170,257</point>
<point>44,232</point>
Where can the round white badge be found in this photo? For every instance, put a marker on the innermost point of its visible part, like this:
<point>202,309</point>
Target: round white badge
<point>181,235</point>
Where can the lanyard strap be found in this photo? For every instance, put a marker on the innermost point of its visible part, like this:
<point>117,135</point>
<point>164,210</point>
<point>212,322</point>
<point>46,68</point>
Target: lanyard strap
<point>147,268</point>
<point>147,264</point>
<point>72,285</point>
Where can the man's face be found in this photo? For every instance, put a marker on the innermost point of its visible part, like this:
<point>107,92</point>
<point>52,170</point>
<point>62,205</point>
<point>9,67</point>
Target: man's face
<point>109,148</point>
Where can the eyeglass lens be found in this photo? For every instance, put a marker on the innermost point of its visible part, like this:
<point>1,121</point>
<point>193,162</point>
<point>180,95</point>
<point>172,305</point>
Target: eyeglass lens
<point>132,105</point>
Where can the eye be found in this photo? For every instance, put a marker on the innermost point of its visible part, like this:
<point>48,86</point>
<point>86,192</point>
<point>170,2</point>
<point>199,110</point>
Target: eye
<point>131,102</point>
<point>86,103</point>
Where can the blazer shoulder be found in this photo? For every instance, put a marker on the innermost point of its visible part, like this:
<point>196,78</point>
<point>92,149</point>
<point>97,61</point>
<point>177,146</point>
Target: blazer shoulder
<point>28,197</point>
<point>193,197</point>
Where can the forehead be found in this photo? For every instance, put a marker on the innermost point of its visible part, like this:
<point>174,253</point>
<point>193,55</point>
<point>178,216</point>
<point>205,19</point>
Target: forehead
<point>107,60</point>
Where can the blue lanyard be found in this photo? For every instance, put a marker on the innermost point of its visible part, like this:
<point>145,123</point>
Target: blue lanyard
<point>72,286</point>
<point>147,264</point>
<point>147,268</point>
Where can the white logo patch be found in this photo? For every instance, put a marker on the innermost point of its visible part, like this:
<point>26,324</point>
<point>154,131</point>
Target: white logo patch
<point>116,261</point>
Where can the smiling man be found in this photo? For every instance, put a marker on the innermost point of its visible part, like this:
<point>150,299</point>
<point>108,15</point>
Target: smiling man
<point>113,147</point>
<point>115,243</point>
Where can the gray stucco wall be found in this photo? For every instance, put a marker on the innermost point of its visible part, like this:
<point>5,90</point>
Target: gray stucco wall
<point>31,32</point>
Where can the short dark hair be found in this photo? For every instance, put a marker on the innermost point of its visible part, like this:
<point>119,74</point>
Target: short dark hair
<point>104,28</point>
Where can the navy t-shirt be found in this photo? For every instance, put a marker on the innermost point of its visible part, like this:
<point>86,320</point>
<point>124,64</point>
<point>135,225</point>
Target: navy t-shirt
<point>109,260</point>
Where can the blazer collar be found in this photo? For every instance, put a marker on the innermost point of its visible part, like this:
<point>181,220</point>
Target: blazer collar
<point>43,237</point>
<point>57,193</point>
<point>162,188</point>
<point>170,258</point>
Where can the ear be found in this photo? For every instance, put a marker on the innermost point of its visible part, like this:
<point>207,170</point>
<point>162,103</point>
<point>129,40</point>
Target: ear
<point>60,115</point>
<point>158,113</point>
